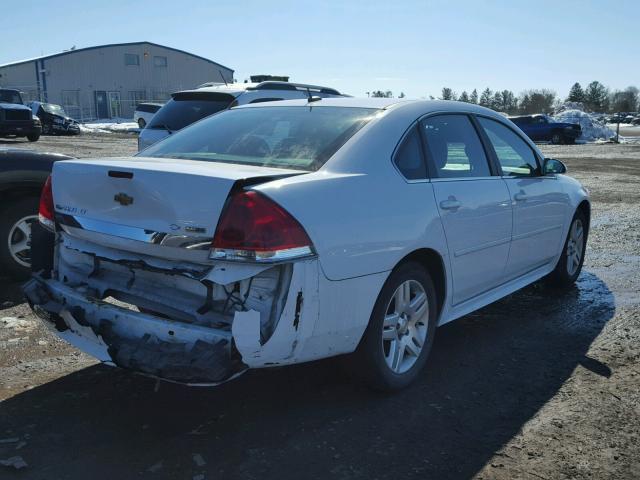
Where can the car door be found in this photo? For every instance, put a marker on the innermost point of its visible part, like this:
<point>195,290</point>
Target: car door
<point>473,204</point>
<point>539,204</point>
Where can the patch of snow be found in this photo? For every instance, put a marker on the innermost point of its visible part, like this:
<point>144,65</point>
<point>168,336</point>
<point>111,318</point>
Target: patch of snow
<point>592,129</point>
<point>116,125</point>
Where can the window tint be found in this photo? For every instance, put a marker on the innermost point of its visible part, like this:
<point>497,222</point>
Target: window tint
<point>408,157</point>
<point>131,59</point>
<point>184,110</point>
<point>454,148</point>
<point>300,138</point>
<point>514,154</point>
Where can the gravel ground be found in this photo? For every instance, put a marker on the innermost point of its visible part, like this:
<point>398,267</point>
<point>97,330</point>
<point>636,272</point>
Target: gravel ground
<point>540,385</point>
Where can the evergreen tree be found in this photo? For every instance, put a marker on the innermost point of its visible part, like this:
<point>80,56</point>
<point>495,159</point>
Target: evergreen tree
<point>596,97</point>
<point>576,94</point>
<point>496,102</point>
<point>537,101</point>
<point>473,98</point>
<point>448,94</point>
<point>486,98</point>
<point>464,97</point>
<point>402,95</point>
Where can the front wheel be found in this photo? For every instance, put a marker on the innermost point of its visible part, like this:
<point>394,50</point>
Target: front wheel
<point>141,123</point>
<point>33,137</point>
<point>397,342</point>
<point>556,139</point>
<point>570,262</point>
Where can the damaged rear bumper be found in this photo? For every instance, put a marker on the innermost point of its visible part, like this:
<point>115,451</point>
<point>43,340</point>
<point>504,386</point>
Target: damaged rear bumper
<point>145,343</point>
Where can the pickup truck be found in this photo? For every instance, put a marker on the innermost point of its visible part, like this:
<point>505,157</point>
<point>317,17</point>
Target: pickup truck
<point>22,175</point>
<point>16,119</point>
<point>542,128</point>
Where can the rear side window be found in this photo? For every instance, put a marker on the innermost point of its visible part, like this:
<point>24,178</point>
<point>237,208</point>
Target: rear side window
<point>514,154</point>
<point>300,138</point>
<point>185,109</point>
<point>408,157</point>
<point>453,147</point>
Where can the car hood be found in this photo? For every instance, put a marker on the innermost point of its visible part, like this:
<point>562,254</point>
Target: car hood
<point>13,106</point>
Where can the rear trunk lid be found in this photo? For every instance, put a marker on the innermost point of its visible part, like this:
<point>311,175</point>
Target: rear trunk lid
<point>149,195</point>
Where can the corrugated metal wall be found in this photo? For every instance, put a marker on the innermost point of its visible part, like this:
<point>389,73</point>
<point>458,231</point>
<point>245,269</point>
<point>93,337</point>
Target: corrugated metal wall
<point>71,80</point>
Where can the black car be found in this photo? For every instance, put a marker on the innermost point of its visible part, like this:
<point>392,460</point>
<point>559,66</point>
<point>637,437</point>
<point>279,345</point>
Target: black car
<point>542,128</point>
<point>22,175</point>
<point>16,119</point>
<point>54,119</point>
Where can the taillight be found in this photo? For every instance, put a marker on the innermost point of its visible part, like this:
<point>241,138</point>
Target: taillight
<point>46,211</point>
<point>255,228</point>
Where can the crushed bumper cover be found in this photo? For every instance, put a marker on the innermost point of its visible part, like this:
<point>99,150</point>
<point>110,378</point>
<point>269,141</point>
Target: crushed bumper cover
<point>155,346</point>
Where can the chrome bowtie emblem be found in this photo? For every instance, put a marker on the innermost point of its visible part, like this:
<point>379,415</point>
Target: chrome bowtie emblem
<point>123,199</point>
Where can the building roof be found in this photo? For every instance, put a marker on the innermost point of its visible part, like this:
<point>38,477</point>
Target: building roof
<point>69,52</point>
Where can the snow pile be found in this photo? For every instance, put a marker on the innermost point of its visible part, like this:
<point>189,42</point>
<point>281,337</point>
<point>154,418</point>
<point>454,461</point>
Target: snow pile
<point>117,125</point>
<point>592,129</point>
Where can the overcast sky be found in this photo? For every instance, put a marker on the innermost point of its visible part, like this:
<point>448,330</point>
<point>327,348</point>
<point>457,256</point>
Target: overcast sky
<point>357,46</point>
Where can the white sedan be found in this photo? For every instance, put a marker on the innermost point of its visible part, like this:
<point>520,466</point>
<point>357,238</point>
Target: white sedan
<point>279,233</point>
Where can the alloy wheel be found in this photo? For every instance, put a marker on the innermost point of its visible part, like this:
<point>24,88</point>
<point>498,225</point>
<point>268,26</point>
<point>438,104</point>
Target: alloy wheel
<point>405,326</point>
<point>19,240</point>
<point>575,246</point>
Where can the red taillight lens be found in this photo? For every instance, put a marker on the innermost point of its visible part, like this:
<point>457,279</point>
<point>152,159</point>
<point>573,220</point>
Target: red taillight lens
<point>46,212</point>
<point>254,227</point>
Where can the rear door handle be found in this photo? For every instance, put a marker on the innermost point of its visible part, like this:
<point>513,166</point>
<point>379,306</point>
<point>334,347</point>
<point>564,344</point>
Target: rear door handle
<point>450,204</point>
<point>520,197</point>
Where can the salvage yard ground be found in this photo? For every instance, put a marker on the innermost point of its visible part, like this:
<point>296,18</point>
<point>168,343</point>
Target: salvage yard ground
<point>540,385</point>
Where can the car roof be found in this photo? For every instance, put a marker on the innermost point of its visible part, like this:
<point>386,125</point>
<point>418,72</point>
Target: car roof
<point>397,104</point>
<point>268,85</point>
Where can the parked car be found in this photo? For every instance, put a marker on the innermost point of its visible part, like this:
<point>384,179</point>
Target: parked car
<point>144,113</point>
<point>542,128</point>
<point>16,119</point>
<point>279,233</point>
<point>54,119</point>
<point>189,106</point>
<point>22,175</point>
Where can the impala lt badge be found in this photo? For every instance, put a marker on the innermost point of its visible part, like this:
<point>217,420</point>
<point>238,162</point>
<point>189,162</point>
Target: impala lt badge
<point>123,199</point>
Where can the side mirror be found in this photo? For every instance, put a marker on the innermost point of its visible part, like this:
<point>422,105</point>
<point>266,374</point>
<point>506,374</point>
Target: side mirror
<point>553,166</point>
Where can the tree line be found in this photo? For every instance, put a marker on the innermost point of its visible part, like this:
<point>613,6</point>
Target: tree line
<point>594,98</point>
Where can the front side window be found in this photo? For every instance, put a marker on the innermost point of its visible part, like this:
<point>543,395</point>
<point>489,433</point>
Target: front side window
<point>453,147</point>
<point>299,138</point>
<point>514,154</point>
<point>159,61</point>
<point>131,59</point>
<point>408,157</point>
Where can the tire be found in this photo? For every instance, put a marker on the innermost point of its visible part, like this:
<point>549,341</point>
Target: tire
<point>570,141</point>
<point>569,267</point>
<point>33,137</point>
<point>15,228</point>
<point>377,361</point>
<point>556,139</point>
<point>141,123</point>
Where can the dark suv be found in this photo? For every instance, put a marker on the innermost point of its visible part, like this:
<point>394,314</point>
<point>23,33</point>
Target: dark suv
<point>542,128</point>
<point>16,119</point>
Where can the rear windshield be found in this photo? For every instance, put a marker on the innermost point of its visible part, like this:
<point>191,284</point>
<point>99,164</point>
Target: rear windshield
<point>300,138</point>
<point>185,109</point>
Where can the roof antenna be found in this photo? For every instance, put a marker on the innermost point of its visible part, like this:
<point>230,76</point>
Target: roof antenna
<point>311,98</point>
<point>225,82</point>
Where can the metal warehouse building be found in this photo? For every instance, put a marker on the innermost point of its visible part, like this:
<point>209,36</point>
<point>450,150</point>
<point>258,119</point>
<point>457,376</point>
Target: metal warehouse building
<point>108,81</point>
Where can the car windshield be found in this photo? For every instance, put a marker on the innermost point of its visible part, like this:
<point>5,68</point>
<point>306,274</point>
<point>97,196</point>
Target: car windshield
<point>185,109</point>
<point>9,96</point>
<point>302,138</point>
<point>55,109</point>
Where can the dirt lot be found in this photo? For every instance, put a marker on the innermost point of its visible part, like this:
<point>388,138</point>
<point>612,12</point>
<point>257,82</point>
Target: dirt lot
<point>541,385</point>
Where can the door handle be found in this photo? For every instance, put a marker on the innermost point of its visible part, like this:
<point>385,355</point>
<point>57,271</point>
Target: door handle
<point>520,197</point>
<point>450,204</point>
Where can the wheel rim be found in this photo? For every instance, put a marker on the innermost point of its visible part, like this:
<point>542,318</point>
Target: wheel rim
<point>555,139</point>
<point>19,240</point>
<point>575,246</point>
<point>405,326</point>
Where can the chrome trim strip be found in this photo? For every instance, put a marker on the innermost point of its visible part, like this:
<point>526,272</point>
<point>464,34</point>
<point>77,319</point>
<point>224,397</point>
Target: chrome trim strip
<point>69,222</point>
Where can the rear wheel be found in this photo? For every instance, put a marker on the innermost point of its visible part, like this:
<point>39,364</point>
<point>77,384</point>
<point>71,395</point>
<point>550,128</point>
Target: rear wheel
<point>33,137</point>
<point>570,262</point>
<point>397,342</point>
<point>141,123</point>
<point>15,236</point>
<point>556,139</point>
